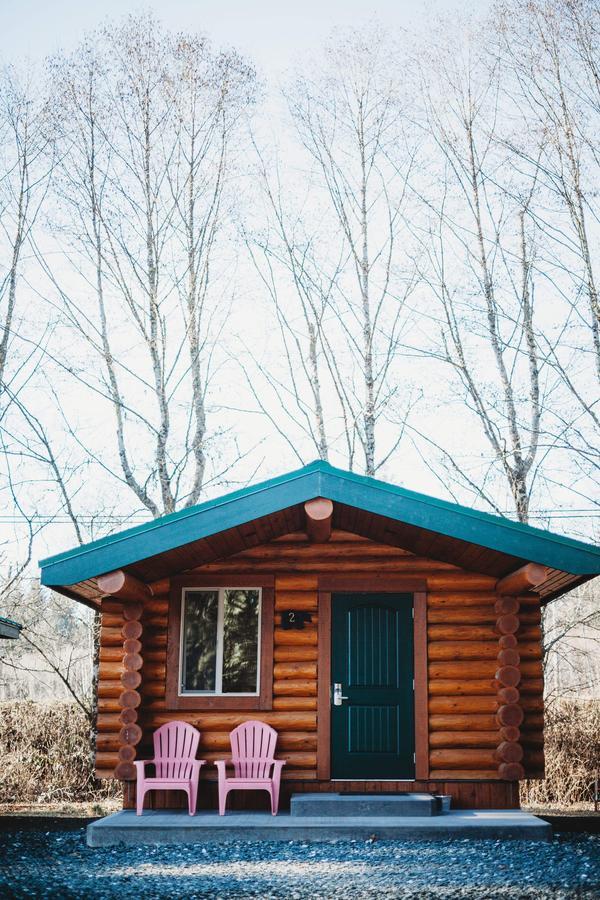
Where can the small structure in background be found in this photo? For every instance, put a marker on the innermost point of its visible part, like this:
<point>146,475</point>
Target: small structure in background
<point>9,629</point>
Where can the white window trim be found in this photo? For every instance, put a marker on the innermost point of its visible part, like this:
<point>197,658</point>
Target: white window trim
<point>218,692</point>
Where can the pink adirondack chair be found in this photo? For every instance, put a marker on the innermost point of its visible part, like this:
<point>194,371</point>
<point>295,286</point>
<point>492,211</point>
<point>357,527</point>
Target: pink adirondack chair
<point>252,750</point>
<point>175,764</point>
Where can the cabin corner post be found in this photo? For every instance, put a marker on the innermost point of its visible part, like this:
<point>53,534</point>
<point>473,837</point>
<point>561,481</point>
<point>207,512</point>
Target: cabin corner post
<point>509,716</point>
<point>130,733</point>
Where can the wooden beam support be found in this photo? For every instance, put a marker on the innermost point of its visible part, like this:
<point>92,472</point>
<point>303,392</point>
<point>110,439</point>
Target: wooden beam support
<point>319,514</point>
<point>525,578</point>
<point>124,586</point>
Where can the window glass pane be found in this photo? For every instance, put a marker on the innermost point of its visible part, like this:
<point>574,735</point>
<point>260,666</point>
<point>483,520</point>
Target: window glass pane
<point>200,640</point>
<point>240,641</point>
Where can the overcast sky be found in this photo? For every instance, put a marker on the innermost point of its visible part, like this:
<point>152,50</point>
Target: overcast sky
<point>271,31</point>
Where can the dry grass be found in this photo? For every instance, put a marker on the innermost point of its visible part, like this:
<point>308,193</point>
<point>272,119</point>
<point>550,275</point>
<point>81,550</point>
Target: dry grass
<point>45,755</point>
<point>572,749</point>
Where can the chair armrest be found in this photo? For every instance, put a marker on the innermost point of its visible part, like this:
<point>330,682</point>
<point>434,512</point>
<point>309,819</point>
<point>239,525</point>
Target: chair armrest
<point>221,765</point>
<point>279,764</point>
<point>140,766</point>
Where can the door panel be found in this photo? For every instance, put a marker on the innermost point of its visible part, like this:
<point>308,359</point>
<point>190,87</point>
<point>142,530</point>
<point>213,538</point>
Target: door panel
<point>372,732</point>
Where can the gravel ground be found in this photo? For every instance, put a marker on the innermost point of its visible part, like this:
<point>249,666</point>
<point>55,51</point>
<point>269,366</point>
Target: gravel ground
<point>59,865</point>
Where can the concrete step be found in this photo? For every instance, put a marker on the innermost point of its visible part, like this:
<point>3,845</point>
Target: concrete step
<point>176,827</point>
<point>336,805</point>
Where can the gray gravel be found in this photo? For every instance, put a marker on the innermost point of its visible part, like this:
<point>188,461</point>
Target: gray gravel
<point>58,864</point>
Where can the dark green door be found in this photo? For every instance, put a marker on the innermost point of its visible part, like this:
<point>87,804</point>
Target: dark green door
<point>372,728</point>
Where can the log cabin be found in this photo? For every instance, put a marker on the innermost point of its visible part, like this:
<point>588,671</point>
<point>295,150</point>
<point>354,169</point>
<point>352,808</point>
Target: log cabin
<point>392,639</point>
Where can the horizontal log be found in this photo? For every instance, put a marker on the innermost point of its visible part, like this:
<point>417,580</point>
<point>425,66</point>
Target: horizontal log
<point>529,576</point>
<point>509,695</point>
<point>533,703</point>
<point>509,714</point>
<point>227,721</point>
<point>107,743</point>
<point>108,671</point>
<point>124,586</point>
<point>296,582</point>
<point>533,721</point>
<point>110,688</point>
<point>534,760</point>
<point>509,752</point>
<point>130,734</point>
<point>508,624</point>
<point>294,670</point>
<point>511,771</point>
<point>463,722</point>
<point>449,705</point>
<point>126,753</point>
<point>159,587</point>
<point>131,630</point>
<point>128,716</point>
<point>130,699</point>
<point>307,636</point>
<point>133,662</point>
<point>286,740</point>
<point>299,688</point>
<point>110,606</point>
<point>531,668</point>
<point>508,676</point>
<point>449,739</point>
<point>305,600</point>
<point>295,759</point>
<point>463,758</point>
<point>154,671</point>
<point>463,774</point>
<point>154,639</point>
<point>111,637</point>
<point>473,615</point>
<point>463,668</point>
<point>111,654</point>
<point>319,514</point>
<point>505,606</point>
<point>440,632</point>
<point>156,606</point>
<point>509,657</point>
<point>131,679</point>
<point>108,723</point>
<point>447,687</point>
<point>454,650</point>
<point>156,623</point>
<point>104,774</point>
<point>294,703</point>
<point>295,654</point>
<point>460,599</point>
<point>153,688</point>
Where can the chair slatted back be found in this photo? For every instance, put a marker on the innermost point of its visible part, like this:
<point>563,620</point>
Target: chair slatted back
<point>175,745</point>
<point>253,749</point>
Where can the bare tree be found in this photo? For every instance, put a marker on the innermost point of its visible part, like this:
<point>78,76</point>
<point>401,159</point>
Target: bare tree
<point>348,280</point>
<point>146,128</point>
<point>478,259</point>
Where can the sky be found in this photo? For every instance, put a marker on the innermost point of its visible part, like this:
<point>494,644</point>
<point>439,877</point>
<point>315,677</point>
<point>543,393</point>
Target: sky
<point>272,32</point>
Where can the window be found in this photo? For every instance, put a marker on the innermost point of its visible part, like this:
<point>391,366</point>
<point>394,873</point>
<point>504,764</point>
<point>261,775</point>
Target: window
<point>219,643</point>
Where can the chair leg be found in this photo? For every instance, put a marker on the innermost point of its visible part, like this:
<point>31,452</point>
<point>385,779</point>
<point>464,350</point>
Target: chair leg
<point>274,792</point>
<point>141,793</point>
<point>222,799</point>
<point>193,798</point>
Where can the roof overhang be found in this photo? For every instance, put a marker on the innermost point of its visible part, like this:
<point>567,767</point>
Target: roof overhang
<point>9,629</point>
<point>395,514</point>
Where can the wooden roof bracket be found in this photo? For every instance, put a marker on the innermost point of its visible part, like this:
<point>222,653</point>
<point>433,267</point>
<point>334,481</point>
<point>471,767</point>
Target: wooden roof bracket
<point>522,580</point>
<point>319,515</point>
<point>123,586</point>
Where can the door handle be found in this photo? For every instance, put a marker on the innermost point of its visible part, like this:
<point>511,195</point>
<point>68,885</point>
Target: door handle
<point>338,697</point>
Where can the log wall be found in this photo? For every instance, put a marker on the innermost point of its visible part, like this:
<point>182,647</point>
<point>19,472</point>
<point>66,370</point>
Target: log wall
<point>484,669</point>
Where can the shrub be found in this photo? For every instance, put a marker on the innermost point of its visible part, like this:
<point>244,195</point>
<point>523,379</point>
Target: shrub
<point>46,756</point>
<point>572,750</point>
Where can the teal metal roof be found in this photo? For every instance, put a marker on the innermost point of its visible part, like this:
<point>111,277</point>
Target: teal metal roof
<point>9,628</point>
<point>319,479</point>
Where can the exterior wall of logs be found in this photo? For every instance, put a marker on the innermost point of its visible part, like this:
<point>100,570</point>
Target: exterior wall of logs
<point>484,674</point>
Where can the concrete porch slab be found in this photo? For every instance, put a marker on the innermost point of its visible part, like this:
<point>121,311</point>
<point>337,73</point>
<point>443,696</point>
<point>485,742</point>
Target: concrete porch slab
<point>365,805</point>
<point>177,827</point>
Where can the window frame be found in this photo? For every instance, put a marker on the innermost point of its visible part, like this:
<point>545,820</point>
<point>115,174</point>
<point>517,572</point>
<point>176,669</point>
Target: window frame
<point>263,699</point>
<point>220,640</point>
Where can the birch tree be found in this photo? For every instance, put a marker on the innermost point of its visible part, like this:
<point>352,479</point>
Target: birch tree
<point>148,123</point>
<point>338,242</point>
